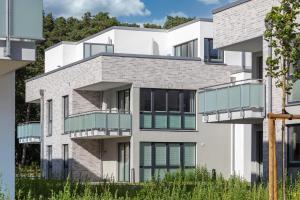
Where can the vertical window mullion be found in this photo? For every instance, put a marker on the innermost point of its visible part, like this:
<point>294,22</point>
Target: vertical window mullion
<point>181,108</point>
<point>153,159</point>
<point>168,157</point>
<point>181,156</point>
<point>152,108</point>
<point>167,108</point>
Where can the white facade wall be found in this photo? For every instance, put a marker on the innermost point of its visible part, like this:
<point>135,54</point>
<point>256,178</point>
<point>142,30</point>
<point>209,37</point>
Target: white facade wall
<point>142,42</point>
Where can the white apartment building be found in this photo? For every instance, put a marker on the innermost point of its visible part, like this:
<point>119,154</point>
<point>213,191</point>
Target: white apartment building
<point>20,29</point>
<point>123,105</point>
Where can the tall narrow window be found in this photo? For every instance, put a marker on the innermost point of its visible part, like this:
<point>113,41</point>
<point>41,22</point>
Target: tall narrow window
<point>50,117</point>
<point>294,145</point>
<point>123,162</point>
<point>66,106</point>
<point>211,54</point>
<point>65,161</point>
<point>49,161</point>
<point>124,101</point>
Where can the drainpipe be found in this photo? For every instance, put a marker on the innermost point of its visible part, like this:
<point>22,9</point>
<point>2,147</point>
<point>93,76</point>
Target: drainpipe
<point>7,17</point>
<point>42,131</point>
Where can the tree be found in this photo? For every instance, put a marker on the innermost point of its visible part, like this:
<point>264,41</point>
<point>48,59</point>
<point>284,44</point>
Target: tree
<point>175,21</point>
<point>282,33</point>
<point>155,26</point>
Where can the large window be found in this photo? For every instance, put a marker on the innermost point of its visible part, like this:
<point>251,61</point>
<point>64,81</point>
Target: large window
<point>91,49</point>
<point>188,49</point>
<point>294,145</point>
<point>50,117</point>
<point>211,54</point>
<point>124,101</point>
<point>65,161</point>
<point>167,109</point>
<point>49,161</point>
<point>294,96</point>
<point>157,159</point>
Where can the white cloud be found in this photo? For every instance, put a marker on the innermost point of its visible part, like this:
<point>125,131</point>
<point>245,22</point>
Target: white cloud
<point>208,2</point>
<point>77,8</point>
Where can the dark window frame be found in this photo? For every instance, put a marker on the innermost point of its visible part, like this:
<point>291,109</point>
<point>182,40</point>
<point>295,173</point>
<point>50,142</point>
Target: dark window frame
<point>66,161</point>
<point>50,117</point>
<point>49,161</point>
<point>195,47</point>
<point>119,93</point>
<point>169,167</point>
<point>119,145</point>
<point>85,55</point>
<point>207,52</point>
<point>168,113</point>
<point>289,163</point>
<point>66,106</point>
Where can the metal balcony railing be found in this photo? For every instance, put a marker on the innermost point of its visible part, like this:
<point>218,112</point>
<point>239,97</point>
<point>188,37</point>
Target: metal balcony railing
<point>98,120</point>
<point>29,130</point>
<point>230,97</point>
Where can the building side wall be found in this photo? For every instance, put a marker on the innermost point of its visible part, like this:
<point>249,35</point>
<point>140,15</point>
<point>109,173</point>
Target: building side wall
<point>241,23</point>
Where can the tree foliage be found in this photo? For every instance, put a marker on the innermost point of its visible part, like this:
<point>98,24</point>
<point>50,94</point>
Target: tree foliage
<point>57,30</point>
<point>175,21</point>
<point>283,35</point>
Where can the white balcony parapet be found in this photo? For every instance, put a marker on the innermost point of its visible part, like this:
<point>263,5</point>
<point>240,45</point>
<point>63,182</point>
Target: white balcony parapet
<point>235,102</point>
<point>99,124</point>
<point>29,133</point>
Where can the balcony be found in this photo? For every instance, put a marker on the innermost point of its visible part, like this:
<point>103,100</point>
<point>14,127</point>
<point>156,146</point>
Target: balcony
<point>21,25</point>
<point>29,133</point>
<point>241,102</point>
<point>98,124</point>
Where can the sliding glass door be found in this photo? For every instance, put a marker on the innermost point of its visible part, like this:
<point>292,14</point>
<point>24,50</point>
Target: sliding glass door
<point>123,162</point>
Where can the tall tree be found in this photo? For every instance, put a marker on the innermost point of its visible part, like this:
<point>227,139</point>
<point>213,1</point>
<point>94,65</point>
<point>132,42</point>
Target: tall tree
<point>175,21</point>
<point>282,33</point>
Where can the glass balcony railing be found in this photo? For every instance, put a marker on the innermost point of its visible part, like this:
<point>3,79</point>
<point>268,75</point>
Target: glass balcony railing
<point>98,120</point>
<point>236,96</point>
<point>29,130</point>
<point>25,19</point>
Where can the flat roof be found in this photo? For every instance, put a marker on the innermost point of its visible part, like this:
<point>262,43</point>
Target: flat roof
<point>133,29</point>
<point>229,5</point>
<point>115,55</point>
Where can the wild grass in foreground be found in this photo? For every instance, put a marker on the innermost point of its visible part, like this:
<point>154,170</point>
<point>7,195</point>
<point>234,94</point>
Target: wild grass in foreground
<point>198,185</point>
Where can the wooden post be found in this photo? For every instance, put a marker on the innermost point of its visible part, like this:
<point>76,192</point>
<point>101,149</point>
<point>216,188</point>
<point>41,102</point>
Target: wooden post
<point>271,129</point>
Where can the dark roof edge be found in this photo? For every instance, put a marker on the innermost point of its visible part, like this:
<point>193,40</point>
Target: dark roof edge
<point>114,55</point>
<point>228,6</point>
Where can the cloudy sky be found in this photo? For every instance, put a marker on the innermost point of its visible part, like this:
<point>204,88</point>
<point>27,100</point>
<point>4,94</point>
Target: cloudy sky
<point>138,11</point>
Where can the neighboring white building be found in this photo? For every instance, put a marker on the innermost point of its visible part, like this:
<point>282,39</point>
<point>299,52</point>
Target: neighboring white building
<point>123,105</point>
<point>20,29</point>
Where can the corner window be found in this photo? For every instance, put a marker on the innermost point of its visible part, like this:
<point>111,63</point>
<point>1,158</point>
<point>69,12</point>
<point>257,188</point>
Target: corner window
<point>50,117</point>
<point>157,159</point>
<point>294,145</point>
<point>91,49</point>
<point>188,49</point>
<point>167,109</point>
<point>210,54</point>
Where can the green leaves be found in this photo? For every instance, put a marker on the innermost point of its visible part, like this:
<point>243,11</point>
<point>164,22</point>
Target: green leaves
<point>282,33</point>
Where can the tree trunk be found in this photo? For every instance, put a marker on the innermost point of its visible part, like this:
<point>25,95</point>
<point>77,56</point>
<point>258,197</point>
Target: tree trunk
<point>24,148</point>
<point>283,106</point>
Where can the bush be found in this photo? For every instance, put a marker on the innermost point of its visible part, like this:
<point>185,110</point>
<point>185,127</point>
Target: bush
<point>194,185</point>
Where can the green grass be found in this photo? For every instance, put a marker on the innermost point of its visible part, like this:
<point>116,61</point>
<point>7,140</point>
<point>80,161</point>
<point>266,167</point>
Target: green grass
<point>199,185</point>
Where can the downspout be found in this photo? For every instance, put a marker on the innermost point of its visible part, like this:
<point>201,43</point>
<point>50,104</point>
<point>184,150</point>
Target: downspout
<point>7,17</point>
<point>42,133</point>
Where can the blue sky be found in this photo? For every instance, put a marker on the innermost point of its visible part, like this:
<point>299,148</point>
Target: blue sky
<point>135,11</point>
